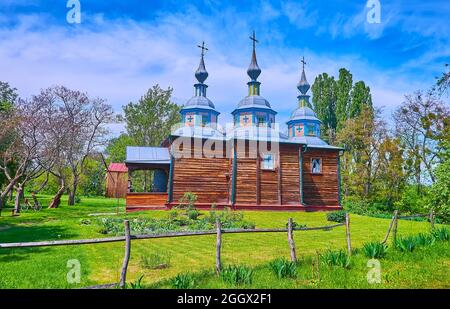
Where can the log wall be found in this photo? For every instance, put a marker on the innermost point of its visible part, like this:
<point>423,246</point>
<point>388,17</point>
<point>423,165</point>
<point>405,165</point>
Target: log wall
<point>290,174</point>
<point>321,189</point>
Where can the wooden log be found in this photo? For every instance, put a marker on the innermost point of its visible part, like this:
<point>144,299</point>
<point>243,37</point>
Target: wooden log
<point>218,245</point>
<point>347,232</point>
<point>291,240</point>
<point>390,227</point>
<point>394,228</point>
<point>123,273</point>
<point>432,219</point>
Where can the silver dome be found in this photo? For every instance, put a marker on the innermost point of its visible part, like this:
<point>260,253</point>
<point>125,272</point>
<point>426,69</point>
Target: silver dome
<point>199,101</point>
<point>304,113</point>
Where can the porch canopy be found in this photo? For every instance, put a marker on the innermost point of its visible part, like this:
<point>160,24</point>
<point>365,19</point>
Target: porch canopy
<point>147,158</point>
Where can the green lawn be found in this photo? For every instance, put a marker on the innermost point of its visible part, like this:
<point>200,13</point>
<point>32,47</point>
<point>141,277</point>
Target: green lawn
<point>46,267</point>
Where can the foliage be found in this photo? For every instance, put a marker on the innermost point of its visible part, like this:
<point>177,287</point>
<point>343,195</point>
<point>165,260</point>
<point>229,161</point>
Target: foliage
<point>375,250</point>
<point>183,281</point>
<point>137,284</point>
<point>441,233</point>
<point>336,258</point>
<point>324,100</point>
<point>193,214</point>
<point>423,239</point>
<point>336,216</point>
<point>116,148</point>
<point>406,244</point>
<point>155,260</point>
<point>237,274</point>
<point>360,99</point>
<point>284,268</point>
<point>149,121</point>
<point>187,201</point>
<point>343,91</point>
<point>439,194</point>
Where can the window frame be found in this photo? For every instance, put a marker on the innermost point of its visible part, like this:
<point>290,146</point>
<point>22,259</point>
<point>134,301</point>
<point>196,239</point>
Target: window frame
<point>320,166</point>
<point>263,161</point>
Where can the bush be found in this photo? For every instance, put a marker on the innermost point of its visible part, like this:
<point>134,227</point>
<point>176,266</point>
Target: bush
<point>336,258</point>
<point>156,260</point>
<point>336,216</point>
<point>375,250</point>
<point>425,239</point>
<point>187,201</point>
<point>406,244</point>
<point>440,233</point>
<point>193,214</point>
<point>284,268</point>
<point>183,281</point>
<point>237,274</point>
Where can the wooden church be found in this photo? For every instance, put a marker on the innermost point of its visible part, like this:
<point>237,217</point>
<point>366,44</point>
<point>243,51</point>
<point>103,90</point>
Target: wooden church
<point>250,164</point>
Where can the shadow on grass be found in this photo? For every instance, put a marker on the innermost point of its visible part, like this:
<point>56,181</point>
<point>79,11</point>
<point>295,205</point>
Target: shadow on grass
<point>24,233</point>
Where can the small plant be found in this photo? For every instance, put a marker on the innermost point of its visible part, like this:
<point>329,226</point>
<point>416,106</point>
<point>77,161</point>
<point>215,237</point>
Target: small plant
<point>85,222</point>
<point>137,284</point>
<point>237,274</point>
<point>375,250</point>
<point>336,258</point>
<point>336,216</point>
<point>406,244</point>
<point>296,225</point>
<point>187,201</point>
<point>183,281</point>
<point>441,234</point>
<point>284,268</point>
<point>425,239</point>
<point>193,214</point>
<point>156,260</point>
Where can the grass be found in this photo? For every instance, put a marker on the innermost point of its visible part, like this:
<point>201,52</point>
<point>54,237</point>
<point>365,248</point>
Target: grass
<point>46,267</point>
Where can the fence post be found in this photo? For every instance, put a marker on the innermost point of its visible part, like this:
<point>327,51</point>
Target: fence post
<point>218,245</point>
<point>291,240</point>
<point>394,229</point>
<point>432,219</point>
<point>126,259</point>
<point>347,233</point>
<point>390,227</point>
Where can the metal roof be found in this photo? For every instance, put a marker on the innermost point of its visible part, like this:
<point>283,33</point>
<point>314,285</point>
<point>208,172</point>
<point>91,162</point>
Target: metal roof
<point>117,167</point>
<point>155,155</point>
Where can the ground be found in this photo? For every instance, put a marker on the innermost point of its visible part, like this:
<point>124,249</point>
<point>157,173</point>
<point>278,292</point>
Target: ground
<point>46,267</point>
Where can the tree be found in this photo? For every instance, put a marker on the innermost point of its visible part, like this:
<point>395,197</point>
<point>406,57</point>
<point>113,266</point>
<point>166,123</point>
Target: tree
<point>343,97</point>
<point>439,195</point>
<point>422,124</point>
<point>77,125</point>
<point>324,100</point>
<point>362,137</point>
<point>360,97</point>
<point>116,149</point>
<point>149,121</point>
<point>27,145</point>
<point>442,83</point>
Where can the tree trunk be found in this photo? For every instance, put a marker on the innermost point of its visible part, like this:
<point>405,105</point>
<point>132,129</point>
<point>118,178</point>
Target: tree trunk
<point>19,195</point>
<point>57,198</point>
<point>73,191</point>
<point>5,193</point>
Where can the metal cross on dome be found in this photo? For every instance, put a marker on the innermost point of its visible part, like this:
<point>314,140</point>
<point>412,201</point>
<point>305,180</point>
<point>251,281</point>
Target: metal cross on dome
<point>253,38</point>
<point>190,118</point>
<point>245,118</point>
<point>203,48</point>
<point>303,62</point>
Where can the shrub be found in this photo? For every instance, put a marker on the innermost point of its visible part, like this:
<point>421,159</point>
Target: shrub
<point>375,250</point>
<point>187,201</point>
<point>237,274</point>
<point>336,216</point>
<point>156,260</point>
<point>425,239</point>
<point>440,233</point>
<point>85,222</point>
<point>284,268</point>
<point>406,244</point>
<point>336,258</point>
<point>193,214</point>
<point>183,281</point>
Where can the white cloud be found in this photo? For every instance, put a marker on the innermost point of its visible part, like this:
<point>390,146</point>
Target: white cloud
<point>120,59</point>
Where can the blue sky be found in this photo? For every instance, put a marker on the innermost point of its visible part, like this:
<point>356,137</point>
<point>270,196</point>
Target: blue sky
<point>121,48</point>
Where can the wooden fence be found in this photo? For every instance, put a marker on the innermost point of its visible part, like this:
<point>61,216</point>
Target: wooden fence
<point>218,232</point>
<point>393,226</point>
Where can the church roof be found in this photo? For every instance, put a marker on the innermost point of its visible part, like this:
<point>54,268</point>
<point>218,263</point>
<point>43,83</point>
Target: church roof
<point>154,155</point>
<point>304,113</point>
<point>253,101</point>
<point>199,102</point>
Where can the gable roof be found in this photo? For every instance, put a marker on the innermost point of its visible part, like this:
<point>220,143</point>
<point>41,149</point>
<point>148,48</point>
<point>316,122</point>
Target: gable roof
<point>156,155</point>
<point>117,167</point>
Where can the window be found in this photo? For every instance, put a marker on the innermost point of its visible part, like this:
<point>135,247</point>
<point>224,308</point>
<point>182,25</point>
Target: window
<point>205,120</point>
<point>261,120</point>
<point>268,162</point>
<point>316,165</point>
<point>311,130</point>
